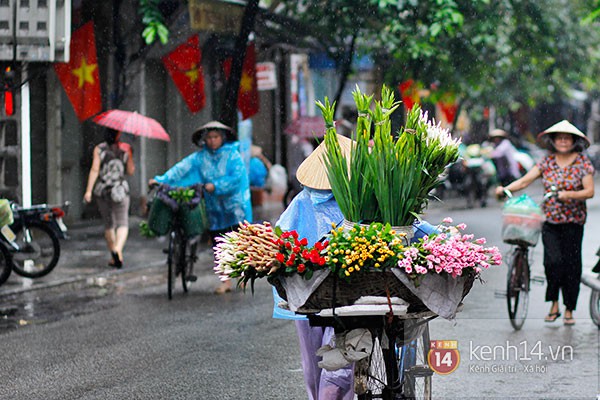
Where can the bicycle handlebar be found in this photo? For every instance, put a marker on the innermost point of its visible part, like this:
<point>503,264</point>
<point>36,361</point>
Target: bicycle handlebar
<point>506,194</point>
<point>552,193</point>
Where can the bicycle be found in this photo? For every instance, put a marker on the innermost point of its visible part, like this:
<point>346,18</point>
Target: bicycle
<point>389,372</point>
<point>518,284</point>
<point>183,228</point>
<point>521,231</point>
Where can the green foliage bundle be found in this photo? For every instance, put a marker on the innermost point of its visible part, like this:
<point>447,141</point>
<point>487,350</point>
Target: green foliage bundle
<point>387,179</point>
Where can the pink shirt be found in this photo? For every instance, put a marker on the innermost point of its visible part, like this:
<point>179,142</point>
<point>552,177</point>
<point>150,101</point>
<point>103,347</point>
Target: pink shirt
<point>567,178</point>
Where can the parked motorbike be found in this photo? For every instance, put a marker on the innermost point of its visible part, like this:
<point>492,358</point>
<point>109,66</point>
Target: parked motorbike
<point>471,176</point>
<point>6,218</point>
<point>36,230</point>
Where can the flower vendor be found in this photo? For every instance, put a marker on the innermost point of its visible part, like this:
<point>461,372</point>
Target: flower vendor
<point>311,214</point>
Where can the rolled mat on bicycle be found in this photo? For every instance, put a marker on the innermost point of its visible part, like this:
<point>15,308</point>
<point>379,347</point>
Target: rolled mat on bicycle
<point>440,294</point>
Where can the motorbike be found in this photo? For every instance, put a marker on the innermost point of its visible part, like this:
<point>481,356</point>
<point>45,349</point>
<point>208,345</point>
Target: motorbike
<point>33,238</point>
<point>471,176</point>
<point>6,218</point>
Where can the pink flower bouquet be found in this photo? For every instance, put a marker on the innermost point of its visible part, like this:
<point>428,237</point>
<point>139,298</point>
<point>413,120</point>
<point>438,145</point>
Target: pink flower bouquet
<point>448,252</point>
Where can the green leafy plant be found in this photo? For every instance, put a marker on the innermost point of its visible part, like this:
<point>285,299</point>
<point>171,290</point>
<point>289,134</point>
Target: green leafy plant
<point>153,19</point>
<point>389,178</point>
<point>182,195</point>
<point>145,230</point>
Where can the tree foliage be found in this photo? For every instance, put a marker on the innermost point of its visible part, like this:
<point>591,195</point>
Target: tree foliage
<point>153,21</point>
<point>505,53</point>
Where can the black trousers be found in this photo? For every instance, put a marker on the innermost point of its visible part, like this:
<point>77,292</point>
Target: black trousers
<point>562,261</point>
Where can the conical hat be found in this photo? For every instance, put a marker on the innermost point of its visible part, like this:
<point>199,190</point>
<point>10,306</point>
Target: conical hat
<point>210,126</point>
<point>498,133</point>
<point>312,172</point>
<point>563,126</point>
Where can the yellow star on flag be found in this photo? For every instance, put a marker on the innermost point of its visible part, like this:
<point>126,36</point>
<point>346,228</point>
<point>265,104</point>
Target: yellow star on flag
<point>246,83</point>
<point>85,72</point>
<point>192,73</point>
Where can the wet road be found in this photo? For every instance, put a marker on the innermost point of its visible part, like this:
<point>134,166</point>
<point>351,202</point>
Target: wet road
<point>121,338</point>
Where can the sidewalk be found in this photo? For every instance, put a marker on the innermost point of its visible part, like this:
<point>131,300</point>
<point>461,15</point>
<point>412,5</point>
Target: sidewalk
<point>84,255</point>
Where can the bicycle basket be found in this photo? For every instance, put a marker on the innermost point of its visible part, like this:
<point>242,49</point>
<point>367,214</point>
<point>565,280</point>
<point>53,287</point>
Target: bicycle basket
<point>519,228</point>
<point>522,220</point>
<point>193,219</point>
<point>160,217</point>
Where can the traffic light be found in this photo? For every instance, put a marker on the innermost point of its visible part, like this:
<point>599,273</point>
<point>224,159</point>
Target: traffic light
<point>9,80</point>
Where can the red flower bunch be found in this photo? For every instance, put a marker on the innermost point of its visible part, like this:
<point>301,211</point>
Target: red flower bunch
<point>296,257</point>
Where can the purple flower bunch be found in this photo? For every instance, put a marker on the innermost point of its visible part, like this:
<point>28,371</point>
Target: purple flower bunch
<point>448,252</point>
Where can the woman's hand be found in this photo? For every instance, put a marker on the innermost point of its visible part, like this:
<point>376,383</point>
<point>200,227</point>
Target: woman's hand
<point>209,187</point>
<point>87,197</point>
<point>499,191</point>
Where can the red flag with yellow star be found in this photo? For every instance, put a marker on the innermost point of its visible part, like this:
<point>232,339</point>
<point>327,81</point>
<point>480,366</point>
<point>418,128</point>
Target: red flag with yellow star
<point>80,76</point>
<point>409,90</point>
<point>248,101</point>
<point>184,64</point>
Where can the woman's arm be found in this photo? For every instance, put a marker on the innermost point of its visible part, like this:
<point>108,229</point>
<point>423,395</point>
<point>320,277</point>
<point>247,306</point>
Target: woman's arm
<point>93,175</point>
<point>522,182</point>
<point>184,173</point>
<point>586,193</point>
<point>130,167</point>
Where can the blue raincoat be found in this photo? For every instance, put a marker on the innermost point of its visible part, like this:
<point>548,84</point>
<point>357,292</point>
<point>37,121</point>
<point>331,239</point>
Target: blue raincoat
<point>230,203</point>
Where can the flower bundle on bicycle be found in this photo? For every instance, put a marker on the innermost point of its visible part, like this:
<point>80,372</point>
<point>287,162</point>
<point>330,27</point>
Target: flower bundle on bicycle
<point>381,189</point>
<point>260,250</point>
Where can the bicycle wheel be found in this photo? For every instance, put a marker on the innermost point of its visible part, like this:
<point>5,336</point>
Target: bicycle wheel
<point>5,263</point>
<point>39,250</point>
<point>595,307</point>
<point>188,261</point>
<point>416,374</point>
<point>172,259</point>
<point>376,376</point>
<point>517,288</point>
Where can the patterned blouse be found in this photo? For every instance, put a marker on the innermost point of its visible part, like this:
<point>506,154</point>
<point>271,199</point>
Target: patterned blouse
<point>567,178</point>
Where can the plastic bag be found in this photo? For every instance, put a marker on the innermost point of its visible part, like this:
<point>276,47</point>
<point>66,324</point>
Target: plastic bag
<point>523,204</point>
<point>276,179</point>
<point>522,220</point>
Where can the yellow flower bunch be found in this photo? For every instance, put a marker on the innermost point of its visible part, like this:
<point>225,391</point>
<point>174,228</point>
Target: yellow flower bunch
<point>373,247</point>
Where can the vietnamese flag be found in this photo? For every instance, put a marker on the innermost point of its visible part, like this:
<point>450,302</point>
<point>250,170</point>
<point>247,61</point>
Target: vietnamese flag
<point>184,64</point>
<point>409,90</point>
<point>80,76</point>
<point>448,107</point>
<point>248,101</point>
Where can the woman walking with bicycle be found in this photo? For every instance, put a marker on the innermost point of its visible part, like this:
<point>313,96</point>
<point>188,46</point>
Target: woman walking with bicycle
<point>567,177</point>
<point>219,166</point>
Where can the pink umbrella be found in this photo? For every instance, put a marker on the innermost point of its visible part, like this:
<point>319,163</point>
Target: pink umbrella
<point>132,122</point>
<point>306,127</point>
